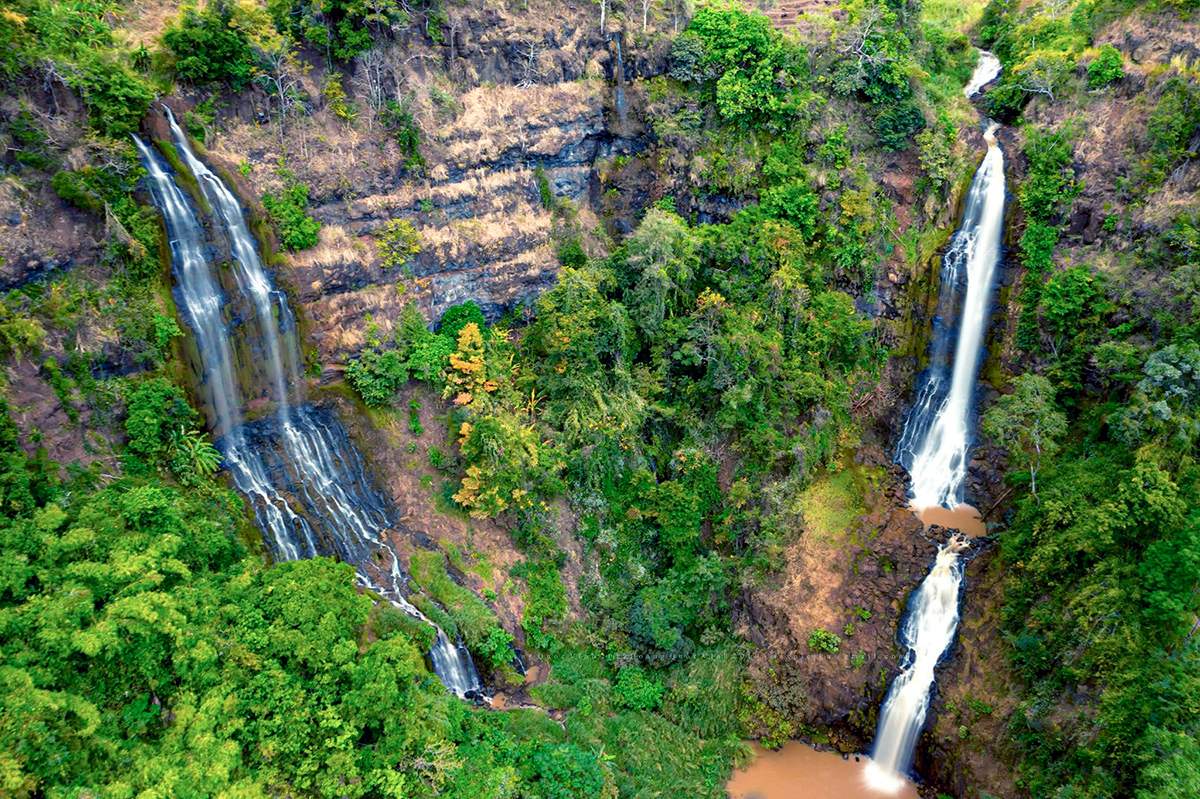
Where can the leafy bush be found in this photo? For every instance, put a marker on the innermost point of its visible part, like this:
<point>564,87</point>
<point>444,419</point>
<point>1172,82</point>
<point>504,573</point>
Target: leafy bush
<point>545,195</point>
<point>115,97</point>
<point>636,690</point>
<point>155,410</point>
<point>1105,68</point>
<point>398,118</point>
<point>895,124</point>
<point>459,316</point>
<point>397,242</point>
<point>288,210</point>
<point>936,148</point>
<point>210,47</point>
<point>824,641</point>
<point>688,58</point>
<point>571,253</point>
<point>335,98</point>
<point>377,375</point>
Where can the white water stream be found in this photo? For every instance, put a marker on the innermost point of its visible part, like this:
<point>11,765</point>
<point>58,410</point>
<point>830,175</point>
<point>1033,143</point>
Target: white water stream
<point>305,480</point>
<point>987,69</point>
<point>935,447</point>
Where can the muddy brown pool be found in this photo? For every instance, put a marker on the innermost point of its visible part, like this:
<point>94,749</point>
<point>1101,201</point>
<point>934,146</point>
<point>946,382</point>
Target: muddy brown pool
<point>797,771</point>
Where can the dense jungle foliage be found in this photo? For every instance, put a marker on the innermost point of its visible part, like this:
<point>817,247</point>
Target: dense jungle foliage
<point>673,391</point>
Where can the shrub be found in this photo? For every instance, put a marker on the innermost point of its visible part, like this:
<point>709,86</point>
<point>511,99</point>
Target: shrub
<point>209,47</point>
<point>1106,68</point>
<point>335,99</point>
<point>157,414</point>
<point>288,210</point>
<point>545,195</point>
<point>688,56</point>
<point>398,119</point>
<point>637,691</point>
<point>820,640</point>
<point>397,242</point>
<point>377,375</point>
<point>116,98</point>
<point>896,124</point>
<point>571,253</point>
<point>459,316</point>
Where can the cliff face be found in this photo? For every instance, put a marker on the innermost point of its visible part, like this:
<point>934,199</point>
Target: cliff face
<point>507,100</point>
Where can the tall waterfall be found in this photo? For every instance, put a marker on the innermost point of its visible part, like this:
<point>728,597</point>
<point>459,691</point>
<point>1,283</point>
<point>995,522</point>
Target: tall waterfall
<point>935,447</point>
<point>936,441</point>
<point>306,482</point>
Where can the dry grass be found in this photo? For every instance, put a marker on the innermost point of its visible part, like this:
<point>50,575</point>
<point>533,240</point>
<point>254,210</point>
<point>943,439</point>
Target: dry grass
<point>499,118</point>
<point>335,246</point>
<point>142,22</point>
<point>488,232</point>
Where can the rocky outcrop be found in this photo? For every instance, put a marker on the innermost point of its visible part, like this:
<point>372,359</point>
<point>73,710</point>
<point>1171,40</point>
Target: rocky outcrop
<point>484,232</point>
<point>855,584</point>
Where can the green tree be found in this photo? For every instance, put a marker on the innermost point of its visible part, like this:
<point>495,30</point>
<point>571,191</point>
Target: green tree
<point>1027,423</point>
<point>662,259</point>
<point>209,46</point>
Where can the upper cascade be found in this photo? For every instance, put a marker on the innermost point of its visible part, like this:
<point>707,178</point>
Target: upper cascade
<point>936,440</point>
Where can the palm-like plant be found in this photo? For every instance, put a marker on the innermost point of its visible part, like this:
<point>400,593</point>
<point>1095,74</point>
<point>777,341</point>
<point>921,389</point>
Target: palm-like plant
<point>194,455</point>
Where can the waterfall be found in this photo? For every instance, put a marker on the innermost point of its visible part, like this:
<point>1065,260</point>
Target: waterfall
<point>987,69</point>
<point>929,626</point>
<point>935,447</point>
<point>935,443</point>
<point>306,482</point>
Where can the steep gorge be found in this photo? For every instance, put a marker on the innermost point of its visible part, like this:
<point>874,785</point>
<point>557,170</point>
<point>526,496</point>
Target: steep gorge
<point>588,167</point>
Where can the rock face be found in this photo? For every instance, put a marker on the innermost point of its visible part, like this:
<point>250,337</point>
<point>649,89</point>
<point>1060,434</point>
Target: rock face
<point>40,234</point>
<point>855,584</point>
<point>485,235</point>
<point>508,104</point>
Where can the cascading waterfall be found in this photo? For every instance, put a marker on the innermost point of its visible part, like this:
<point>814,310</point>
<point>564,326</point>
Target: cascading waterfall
<point>987,69</point>
<point>936,441</point>
<point>305,480</point>
<point>935,447</point>
<point>929,626</point>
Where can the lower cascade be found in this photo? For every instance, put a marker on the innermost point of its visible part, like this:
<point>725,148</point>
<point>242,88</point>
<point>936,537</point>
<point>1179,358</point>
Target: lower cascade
<point>927,631</point>
<point>307,484</point>
<point>935,447</point>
